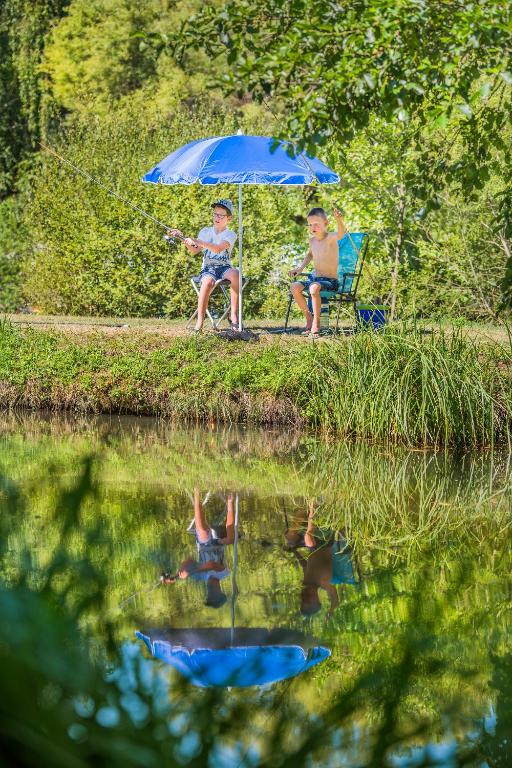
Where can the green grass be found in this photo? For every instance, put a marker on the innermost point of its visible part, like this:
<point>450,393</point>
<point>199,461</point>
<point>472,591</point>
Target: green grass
<point>400,386</point>
<point>73,324</point>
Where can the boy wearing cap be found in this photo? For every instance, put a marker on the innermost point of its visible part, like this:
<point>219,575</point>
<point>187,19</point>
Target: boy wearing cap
<point>216,242</point>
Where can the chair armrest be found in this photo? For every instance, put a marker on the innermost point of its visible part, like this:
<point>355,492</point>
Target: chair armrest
<point>347,276</point>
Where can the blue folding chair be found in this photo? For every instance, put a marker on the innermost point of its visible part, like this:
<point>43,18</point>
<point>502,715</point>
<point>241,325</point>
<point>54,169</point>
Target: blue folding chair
<point>351,254</point>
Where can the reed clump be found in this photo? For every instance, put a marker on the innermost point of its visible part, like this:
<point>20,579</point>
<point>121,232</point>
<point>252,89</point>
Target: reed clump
<point>398,386</point>
<point>404,386</point>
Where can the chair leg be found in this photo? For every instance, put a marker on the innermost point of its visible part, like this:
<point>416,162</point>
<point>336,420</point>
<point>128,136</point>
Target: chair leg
<point>227,304</point>
<point>208,313</point>
<point>338,315</point>
<point>191,319</point>
<point>210,318</point>
<point>227,300</point>
<point>288,310</point>
<point>223,316</point>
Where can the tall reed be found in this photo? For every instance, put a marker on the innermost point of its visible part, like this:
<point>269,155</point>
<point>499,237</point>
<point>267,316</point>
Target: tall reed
<point>405,386</point>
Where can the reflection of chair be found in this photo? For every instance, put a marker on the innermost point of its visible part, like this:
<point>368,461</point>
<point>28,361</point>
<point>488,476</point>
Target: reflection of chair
<point>222,292</point>
<point>344,564</point>
<point>351,254</point>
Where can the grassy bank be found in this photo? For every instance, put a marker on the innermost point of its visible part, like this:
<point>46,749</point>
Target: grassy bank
<point>402,386</point>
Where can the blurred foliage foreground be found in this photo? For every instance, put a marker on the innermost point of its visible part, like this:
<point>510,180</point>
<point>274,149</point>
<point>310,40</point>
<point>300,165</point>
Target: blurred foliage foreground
<point>421,672</point>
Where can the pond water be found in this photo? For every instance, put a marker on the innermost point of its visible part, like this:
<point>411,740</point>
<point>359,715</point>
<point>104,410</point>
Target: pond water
<point>355,595</point>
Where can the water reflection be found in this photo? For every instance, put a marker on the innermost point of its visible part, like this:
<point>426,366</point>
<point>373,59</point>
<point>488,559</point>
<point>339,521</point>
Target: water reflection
<point>327,560</point>
<point>245,656</point>
<point>430,637</point>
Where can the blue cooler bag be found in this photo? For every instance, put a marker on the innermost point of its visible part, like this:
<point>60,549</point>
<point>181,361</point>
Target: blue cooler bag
<point>371,316</point>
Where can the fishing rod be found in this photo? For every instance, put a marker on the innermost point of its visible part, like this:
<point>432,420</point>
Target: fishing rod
<point>96,181</point>
<point>166,578</point>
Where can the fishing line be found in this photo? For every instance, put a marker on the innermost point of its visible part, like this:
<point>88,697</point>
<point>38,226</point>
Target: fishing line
<point>96,181</point>
<point>280,124</point>
<point>139,592</point>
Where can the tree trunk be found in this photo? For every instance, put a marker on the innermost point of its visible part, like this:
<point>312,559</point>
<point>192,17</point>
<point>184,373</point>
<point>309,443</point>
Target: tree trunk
<point>398,250</point>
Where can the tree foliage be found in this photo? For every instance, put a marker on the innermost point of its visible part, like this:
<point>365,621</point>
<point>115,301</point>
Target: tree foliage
<point>409,101</point>
<point>336,66</point>
<point>24,25</point>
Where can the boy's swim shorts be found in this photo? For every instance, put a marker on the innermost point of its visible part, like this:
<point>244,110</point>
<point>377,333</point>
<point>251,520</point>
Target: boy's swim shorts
<point>325,283</point>
<point>217,272</point>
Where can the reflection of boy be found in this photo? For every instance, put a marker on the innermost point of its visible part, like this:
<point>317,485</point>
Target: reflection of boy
<point>324,566</point>
<point>304,533</point>
<point>210,566</point>
<point>317,574</point>
<point>328,565</point>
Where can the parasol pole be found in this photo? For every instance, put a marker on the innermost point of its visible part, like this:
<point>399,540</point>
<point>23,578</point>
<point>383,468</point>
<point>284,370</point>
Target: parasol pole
<point>234,588</point>
<point>240,254</point>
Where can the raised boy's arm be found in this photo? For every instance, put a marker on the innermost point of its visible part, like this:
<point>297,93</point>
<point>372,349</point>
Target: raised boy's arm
<point>342,230</point>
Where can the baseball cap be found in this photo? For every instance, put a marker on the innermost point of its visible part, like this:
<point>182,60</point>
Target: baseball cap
<point>227,204</point>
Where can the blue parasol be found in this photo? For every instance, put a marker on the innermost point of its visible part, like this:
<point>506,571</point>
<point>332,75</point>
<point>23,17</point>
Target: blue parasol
<point>240,160</point>
<point>221,658</point>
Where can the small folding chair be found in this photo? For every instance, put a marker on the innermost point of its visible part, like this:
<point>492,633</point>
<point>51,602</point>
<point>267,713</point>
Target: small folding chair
<point>223,286</point>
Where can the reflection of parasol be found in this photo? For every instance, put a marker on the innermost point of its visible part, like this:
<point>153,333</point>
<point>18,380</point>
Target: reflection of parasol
<point>237,657</point>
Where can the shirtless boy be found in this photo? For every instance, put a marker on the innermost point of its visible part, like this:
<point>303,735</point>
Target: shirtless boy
<point>323,250</point>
